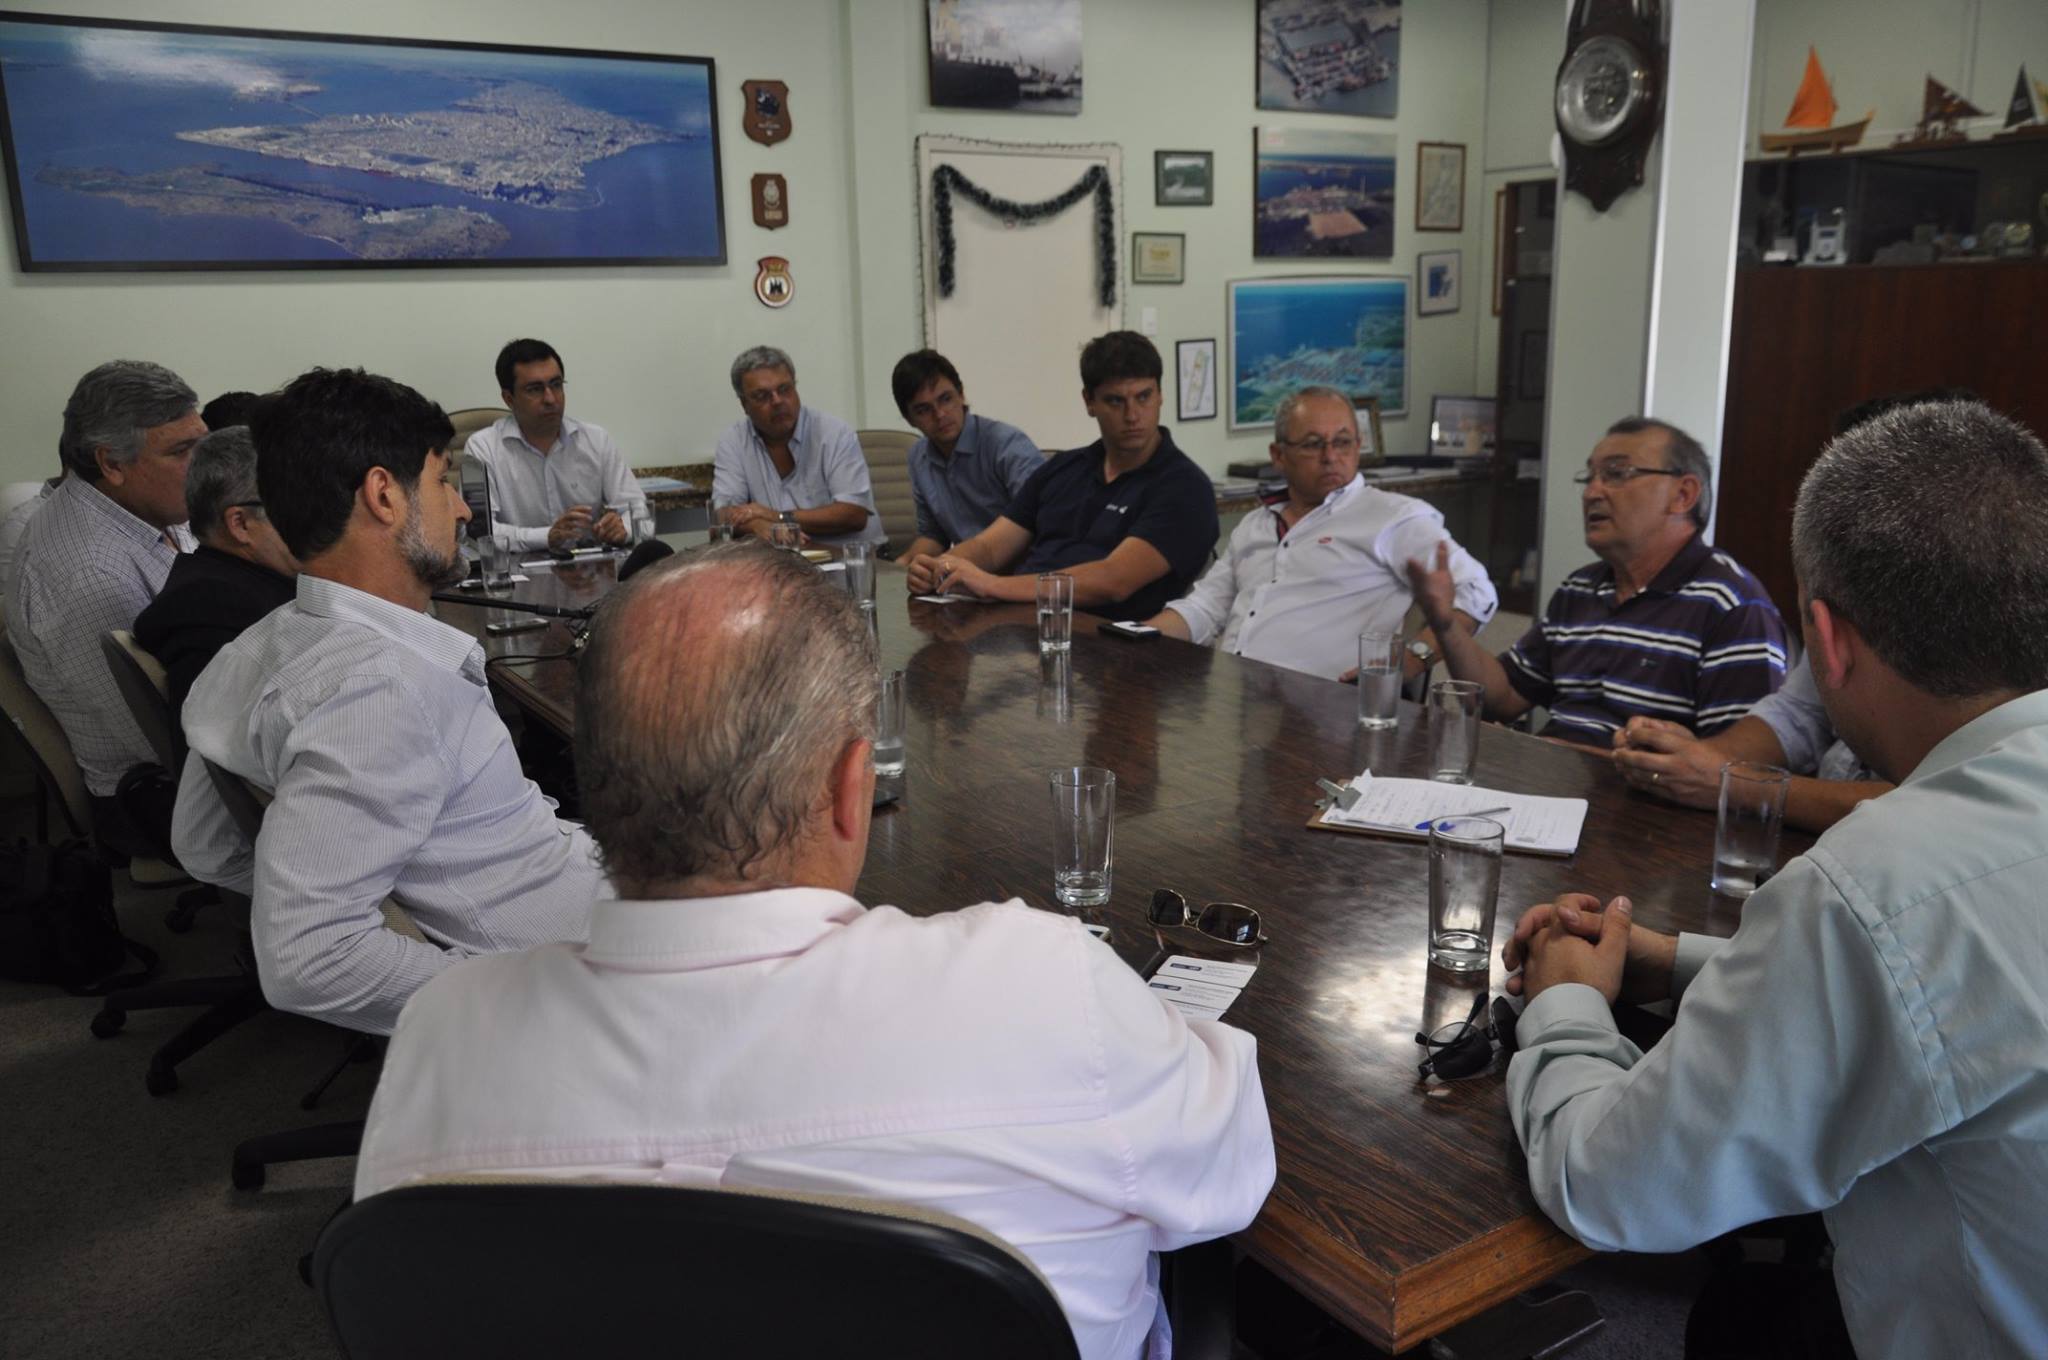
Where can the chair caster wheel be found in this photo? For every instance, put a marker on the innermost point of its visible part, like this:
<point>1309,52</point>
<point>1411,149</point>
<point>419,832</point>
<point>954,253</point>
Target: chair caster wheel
<point>248,1176</point>
<point>178,920</point>
<point>108,1023</point>
<point>160,1081</point>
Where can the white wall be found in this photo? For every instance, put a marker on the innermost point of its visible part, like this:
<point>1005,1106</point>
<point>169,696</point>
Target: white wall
<point>1524,44</point>
<point>646,348</point>
<point>1879,53</point>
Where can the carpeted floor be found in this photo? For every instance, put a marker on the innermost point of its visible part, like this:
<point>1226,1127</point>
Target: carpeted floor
<point>124,1238</point>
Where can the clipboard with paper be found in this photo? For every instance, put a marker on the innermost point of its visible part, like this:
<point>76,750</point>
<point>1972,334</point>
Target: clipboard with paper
<point>1387,806</point>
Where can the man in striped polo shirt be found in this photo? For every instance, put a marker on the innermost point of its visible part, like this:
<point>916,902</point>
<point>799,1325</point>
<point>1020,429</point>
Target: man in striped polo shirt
<point>1663,625</point>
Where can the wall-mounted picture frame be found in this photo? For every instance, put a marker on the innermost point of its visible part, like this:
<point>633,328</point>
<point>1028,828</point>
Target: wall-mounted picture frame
<point>1159,257</point>
<point>1440,186</point>
<point>1022,56</point>
<point>1343,332</point>
<point>1318,192</point>
<point>1183,179</point>
<point>1330,56</point>
<point>153,146</point>
<point>1437,281</point>
<point>1194,362</point>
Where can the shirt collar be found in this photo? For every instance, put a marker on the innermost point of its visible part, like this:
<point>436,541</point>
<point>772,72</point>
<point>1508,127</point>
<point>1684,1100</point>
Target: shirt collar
<point>1983,732</point>
<point>512,438</point>
<point>118,517</point>
<point>1680,569</point>
<point>970,435</point>
<point>796,436</point>
<point>424,634</point>
<point>1159,459</point>
<point>681,934</point>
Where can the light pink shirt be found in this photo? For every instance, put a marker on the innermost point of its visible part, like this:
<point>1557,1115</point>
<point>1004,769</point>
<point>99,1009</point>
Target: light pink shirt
<point>996,1063</point>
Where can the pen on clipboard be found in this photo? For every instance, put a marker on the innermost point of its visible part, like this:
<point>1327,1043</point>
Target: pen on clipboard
<point>1427,822</point>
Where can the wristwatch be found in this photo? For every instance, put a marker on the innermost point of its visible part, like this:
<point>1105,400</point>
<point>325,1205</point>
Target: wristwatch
<point>1420,651</point>
<point>785,517</point>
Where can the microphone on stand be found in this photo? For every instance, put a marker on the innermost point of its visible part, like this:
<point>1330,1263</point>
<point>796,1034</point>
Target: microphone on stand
<point>553,611</point>
<point>645,555</point>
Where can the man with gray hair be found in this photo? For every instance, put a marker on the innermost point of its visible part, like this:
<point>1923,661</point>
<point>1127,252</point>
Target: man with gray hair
<point>1872,1043</point>
<point>241,570</point>
<point>740,1019</point>
<point>90,559</point>
<point>1664,625</point>
<point>783,462</point>
<point>1299,581</point>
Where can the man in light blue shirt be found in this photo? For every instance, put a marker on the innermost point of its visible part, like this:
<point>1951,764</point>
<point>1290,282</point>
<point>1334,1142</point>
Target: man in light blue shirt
<point>783,462</point>
<point>1873,1041</point>
<point>370,722</point>
<point>967,469</point>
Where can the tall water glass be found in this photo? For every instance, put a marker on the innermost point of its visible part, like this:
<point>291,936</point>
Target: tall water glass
<point>1379,679</point>
<point>1464,887</point>
<point>889,725</point>
<point>785,535</point>
<point>1083,839</point>
<point>1055,613</point>
<point>1746,835</point>
<point>717,531</point>
<point>497,555</point>
<point>1454,729</point>
<point>857,561</point>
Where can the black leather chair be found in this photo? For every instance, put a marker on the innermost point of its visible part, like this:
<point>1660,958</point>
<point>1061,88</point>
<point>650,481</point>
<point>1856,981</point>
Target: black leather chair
<point>229,999</point>
<point>513,1268</point>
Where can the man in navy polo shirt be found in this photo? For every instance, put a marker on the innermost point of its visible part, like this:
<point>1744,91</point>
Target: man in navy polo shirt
<point>1129,517</point>
<point>967,468</point>
<point>1662,626</point>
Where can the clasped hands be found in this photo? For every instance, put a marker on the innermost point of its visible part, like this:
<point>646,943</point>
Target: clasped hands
<point>943,573</point>
<point>575,522</point>
<point>754,518</point>
<point>1576,939</point>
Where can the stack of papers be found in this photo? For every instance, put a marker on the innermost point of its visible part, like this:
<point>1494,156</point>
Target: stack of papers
<point>1200,989</point>
<point>653,484</point>
<point>1406,807</point>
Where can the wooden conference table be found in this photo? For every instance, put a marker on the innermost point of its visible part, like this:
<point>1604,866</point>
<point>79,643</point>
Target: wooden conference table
<point>1399,1208</point>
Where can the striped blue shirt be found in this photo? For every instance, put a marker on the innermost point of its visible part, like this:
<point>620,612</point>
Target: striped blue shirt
<point>1697,646</point>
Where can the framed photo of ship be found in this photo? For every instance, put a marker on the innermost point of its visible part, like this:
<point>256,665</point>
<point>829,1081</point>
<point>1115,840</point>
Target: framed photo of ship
<point>147,146</point>
<point>1022,56</point>
<point>1346,333</point>
<point>1330,56</point>
<point>1322,194</point>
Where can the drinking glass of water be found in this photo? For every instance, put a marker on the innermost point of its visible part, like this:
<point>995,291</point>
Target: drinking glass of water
<point>1454,729</point>
<point>1083,824</point>
<point>497,555</point>
<point>1379,679</point>
<point>1746,834</point>
<point>889,726</point>
<point>1055,613</point>
<point>857,561</point>
<point>1464,885</point>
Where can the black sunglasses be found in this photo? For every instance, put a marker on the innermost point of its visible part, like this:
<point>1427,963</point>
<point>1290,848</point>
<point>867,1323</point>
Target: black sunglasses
<point>1231,923</point>
<point>1465,1049</point>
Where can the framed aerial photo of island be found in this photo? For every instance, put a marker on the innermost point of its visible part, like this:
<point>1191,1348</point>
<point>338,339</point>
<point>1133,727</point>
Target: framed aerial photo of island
<point>1322,194</point>
<point>1330,56</point>
<point>137,146</point>
<point>1346,333</point>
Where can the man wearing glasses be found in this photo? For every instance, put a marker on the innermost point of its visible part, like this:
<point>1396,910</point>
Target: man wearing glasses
<point>784,463</point>
<point>967,468</point>
<point>555,482</point>
<point>1299,582</point>
<point>1662,626</point>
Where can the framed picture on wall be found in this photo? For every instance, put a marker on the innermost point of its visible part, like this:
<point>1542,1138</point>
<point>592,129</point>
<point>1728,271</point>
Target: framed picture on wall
<point>1195,363</point>
<point>1440,186</point>
<point>1023,56</point>
<point>1183,179</point>
<point>147,146</point>
<point>1330,56</point>
<point>1436,282</point>
<point>1158,257</point>
<point>1347,333</point>
<point>1322,194</point>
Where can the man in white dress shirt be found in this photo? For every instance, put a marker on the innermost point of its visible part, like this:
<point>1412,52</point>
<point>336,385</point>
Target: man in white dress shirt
<point>784,462</point>
<point>1298,582</point>
<point>370,722</point>
<point>739,1018</point>
<point>555,482</point>
<point>1872,1043</point>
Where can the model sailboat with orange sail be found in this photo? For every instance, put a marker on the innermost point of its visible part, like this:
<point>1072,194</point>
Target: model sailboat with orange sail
<point>1813,112</point>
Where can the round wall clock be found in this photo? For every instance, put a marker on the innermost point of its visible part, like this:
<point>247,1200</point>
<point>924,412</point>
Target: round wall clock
<point>1610,90</point>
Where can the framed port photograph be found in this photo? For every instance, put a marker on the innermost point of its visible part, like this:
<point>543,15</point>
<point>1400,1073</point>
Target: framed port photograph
<point>1440,186</point>
<point>1320,193</point>
<point>1346,333</point>
<point>1194,362</point>
<point>1183,179</point>
<point>1158,257</point>
<point>1436,282</point>
<point>147,146</point>
<point>1019,56</point>
<point>1330,56</point>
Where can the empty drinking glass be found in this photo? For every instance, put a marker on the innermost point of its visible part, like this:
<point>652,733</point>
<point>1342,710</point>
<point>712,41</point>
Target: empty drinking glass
<point>1379,679</point>
<point>1464,885</point>
<point>857,561</point>
<point>1752,811</point>
<point>1083,822</point>
<point>1454,729</point>
<point>1055,613</point>
<point>889,725</point>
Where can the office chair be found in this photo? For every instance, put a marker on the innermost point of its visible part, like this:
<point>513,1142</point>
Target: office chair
<point>509,1267</point>
<point>888,458</point>
<point>229,1000</point>
<point>469,420</point>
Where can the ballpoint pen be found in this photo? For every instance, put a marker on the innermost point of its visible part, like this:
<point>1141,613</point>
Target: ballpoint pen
<point>1428,822</point>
